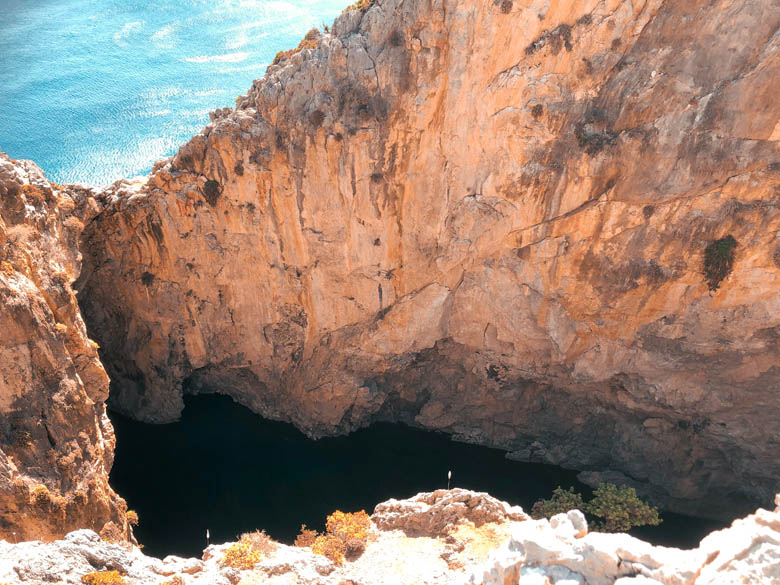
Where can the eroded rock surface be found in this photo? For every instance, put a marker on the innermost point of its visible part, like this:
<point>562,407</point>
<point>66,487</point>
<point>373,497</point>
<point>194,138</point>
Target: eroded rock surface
<point>56,443</point>
<point>486,218</point>
<point>434,513</point>
<point>512,550</point>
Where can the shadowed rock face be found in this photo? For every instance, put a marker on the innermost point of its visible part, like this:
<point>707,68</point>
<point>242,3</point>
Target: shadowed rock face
<point>486,218</point>
<point>56,443</point>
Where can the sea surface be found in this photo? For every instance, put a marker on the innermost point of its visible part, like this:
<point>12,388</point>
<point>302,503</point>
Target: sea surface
<point>225,469</point>
<point>97,90</point>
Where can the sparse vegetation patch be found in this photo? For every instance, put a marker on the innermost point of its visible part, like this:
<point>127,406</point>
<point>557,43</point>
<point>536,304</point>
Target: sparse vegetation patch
<point>251,548</point>
<point>346,534</point>
<point>719,261</point>
<point>361,5</point>
<point>103,578</point>
<point>612,509</point>
<point>310,41</point>
<point>212,190</point>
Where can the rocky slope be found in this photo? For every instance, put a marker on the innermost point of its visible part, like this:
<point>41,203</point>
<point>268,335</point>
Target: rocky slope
<point>487,218</point>
<point>56,443</point>
<point>444,537</point>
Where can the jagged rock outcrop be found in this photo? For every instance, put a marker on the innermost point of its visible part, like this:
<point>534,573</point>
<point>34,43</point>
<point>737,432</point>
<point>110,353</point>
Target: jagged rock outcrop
<point>56,443</point>
<point>508,550</point>
<point>434,513</point>
<point>486,218</point>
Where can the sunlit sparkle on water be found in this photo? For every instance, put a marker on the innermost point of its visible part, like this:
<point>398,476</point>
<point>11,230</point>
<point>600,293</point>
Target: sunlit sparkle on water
<point>97,91</point>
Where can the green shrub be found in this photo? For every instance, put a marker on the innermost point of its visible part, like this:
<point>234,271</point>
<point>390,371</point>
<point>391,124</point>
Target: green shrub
<point>719,261</point>
<point>561,502</point>
<point>212,190</point>
<point>620,509</point>
<point>612,509</point>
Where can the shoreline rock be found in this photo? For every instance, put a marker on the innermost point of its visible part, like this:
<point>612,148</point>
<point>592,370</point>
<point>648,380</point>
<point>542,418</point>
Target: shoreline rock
<point>508,548</point>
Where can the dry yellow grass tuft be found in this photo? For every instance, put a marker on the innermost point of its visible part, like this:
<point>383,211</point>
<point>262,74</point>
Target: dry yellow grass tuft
<point>132,517</point>
<point>41,496</point>
<point>345,537</point>
<point>306,537</point>
<point>361,5</point>
<point>331,547</point>
<point>248,551</point>
<point>348,525</point>
<point>103,578</point>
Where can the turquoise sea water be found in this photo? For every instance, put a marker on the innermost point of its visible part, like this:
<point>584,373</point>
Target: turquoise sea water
<point>96,90</point>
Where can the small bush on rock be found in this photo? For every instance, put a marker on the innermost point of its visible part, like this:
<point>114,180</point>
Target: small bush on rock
<point>331,547</point>
<point>103,578</point>
<point>41,496</point>
<point>310,41</point>
<point>361,5</point>
<point>620,509</point>
<point>348,525</point>
<point>306,537</point>
<point>132,518</point>
<point>719,261</point>
<point>345,537</point>
<point>612,509</point>
<point>249,550</point>
<point>561,502</point>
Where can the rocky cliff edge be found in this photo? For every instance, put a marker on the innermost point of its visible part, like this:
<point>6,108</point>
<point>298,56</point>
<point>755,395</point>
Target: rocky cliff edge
<point>453,537</point>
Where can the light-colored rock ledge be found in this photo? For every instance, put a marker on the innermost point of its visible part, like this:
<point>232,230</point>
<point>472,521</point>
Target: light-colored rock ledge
<point>448,536</point>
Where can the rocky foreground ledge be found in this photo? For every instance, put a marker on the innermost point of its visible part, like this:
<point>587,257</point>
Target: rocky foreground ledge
<point>447,536</point>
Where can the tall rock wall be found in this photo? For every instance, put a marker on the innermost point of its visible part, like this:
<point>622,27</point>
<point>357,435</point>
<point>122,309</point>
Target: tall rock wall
<point>487,218</point>
<point>56,443</point>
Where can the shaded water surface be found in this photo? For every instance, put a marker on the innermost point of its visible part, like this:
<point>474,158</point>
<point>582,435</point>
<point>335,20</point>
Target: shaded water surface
<point>224,468</point>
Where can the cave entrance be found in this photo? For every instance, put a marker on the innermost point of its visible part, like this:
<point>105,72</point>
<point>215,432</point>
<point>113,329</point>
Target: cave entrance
<point>226,469</point>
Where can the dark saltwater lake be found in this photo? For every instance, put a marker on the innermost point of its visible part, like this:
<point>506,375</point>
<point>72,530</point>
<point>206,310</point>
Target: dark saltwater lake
<point>224,468</point>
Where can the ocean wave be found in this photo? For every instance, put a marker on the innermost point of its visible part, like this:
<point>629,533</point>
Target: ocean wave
<point>163,37</point>
<point>161,94</point>
<point>261,67</point>
<point>205,92</point>
<point>154,113</point>
<point>228,58</point>
<point>121,36</point>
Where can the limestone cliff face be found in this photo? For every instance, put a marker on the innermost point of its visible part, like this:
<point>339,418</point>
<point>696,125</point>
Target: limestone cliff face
<point>56,443</point>
<point>487,218</point>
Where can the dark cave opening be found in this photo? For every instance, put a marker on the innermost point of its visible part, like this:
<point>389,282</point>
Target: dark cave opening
<point>228,470</point>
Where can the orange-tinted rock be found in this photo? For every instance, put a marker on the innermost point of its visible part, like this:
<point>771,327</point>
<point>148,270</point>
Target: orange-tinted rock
<point>486,218</point>
<point>56,443</point>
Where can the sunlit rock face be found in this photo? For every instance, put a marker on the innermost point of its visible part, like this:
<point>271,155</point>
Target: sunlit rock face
<point>486,218</point>
<point>56,443</point>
